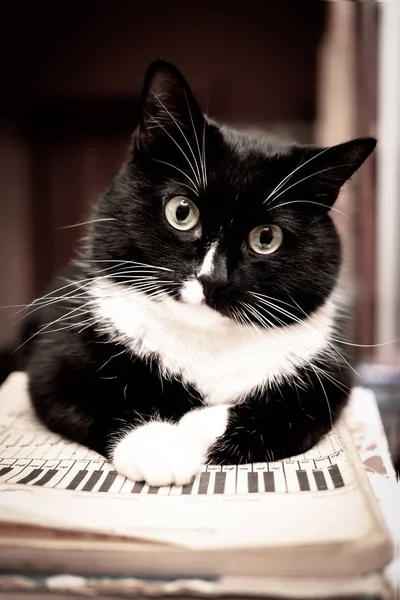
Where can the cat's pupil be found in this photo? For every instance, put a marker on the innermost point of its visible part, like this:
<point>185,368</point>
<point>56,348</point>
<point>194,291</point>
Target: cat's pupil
<point>182,211</point>
<point>266,236</point>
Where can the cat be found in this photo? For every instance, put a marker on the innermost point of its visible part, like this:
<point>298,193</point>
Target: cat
<point>202,321</point>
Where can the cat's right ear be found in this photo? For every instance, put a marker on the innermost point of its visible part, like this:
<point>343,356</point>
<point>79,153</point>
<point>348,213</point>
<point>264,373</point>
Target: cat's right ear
<point>169,110</point>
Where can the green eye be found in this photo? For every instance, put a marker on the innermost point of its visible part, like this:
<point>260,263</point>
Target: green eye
<point>265,239</point>
<point>182,213</point>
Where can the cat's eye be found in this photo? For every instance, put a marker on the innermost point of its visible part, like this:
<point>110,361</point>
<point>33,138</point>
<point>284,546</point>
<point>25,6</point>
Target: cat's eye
<point>265,239</point>
<point>182,213</point>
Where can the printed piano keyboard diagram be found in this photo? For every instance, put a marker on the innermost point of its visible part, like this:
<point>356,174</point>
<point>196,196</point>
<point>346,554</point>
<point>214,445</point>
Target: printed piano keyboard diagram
<point>30,455</point>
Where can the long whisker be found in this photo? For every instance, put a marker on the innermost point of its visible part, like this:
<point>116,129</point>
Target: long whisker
<point>305,178</point>
<point>300,166</point>
<point>196,138</point>
<point>310,202</point>
<point>344,342</point>
<point>179,147</point>
<point>163,162</point>
<point>180,129</point>
<point>85,223</point>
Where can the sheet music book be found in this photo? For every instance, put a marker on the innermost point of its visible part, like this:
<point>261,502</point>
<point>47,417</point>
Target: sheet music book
<point>63,504</point>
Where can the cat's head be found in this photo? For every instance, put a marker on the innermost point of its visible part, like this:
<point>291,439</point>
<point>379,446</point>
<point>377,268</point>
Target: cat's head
<point>221,220</point>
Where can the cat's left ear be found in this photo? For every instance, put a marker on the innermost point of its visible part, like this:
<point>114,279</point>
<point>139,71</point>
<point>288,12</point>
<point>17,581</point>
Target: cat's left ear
<point>169,109</point>
<point>326,170</point>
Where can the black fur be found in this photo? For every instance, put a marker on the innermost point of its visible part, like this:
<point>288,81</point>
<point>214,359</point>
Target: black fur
<point>87,387</point>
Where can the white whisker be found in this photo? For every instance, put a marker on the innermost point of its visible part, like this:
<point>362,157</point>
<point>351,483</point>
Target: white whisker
<point>183,135</point>
<point>84,223</point>
<point>179,147</point>
<point>300,166</point>
<point>163,162</point>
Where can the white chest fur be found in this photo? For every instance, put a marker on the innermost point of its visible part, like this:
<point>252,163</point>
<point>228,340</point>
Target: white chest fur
<point>223,360</point>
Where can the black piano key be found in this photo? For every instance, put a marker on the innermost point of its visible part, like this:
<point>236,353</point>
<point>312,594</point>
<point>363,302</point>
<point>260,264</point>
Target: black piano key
<point>77,479</point>
<point>336,476</point>
<point>93,479</point>
<point>5,470</point>
<point>46,477</point>
<point>219,487</point>
<point>153,489</point>
<point>35,473</point>
<point>303,481</point>
<point>137,488</point>
<point>320,480</point>
<point>187,489</point>
<point>109,480</point>
<point>204,481</point>
<point>269,481</point>
<point>252,479</point>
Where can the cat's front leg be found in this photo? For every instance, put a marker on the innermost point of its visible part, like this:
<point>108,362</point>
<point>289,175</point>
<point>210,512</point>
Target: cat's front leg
<point>164,453</point>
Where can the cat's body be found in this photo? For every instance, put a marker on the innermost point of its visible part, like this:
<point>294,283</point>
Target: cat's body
<point>188,332</point>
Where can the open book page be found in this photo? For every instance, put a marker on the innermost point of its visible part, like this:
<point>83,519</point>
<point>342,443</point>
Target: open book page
<point>315,498</point>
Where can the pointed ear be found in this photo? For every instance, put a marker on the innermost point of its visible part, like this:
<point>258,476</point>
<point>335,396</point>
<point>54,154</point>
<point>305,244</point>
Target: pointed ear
<point>169,108</point>
<point>327,169</point>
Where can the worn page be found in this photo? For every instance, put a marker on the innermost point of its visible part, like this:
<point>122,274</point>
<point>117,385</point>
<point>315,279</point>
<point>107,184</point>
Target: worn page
<point>46,480</point>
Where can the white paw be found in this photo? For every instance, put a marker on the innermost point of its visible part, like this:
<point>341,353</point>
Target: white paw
<point>163,453</point>
<point>159,453</point>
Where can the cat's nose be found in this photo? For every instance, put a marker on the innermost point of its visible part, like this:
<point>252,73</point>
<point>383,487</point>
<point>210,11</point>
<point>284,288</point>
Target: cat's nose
<point>211,283</point>
<point>214,278</point>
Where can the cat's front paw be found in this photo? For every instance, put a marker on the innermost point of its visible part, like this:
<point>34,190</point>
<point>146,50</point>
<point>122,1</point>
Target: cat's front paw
<point>159,453</point>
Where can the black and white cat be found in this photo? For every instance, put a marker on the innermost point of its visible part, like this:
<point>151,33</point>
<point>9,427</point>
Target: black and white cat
<point>202,322</point>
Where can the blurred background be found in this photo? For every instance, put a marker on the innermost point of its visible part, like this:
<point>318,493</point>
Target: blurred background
<point>312,71</point>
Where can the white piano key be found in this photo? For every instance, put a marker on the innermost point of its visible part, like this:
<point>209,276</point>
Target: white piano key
<point>262,466</point>
<point>62,469</point>
<point>127,487</point>
<point>51,464</point>
<point>242,479</point>
<point>19,473</point>
<point>79,465</point>
<point>279,476</point>
<point>176,490</point>
<point>328,479</point>
<point>230,481</point>
<point>292,482</point>
<point>37,463</point>
<point>211,484</point>
<point>337,457</point>
<point>321,463</point>
<point>117,484</point>
<point>196,484</point>
<point>17,468</point>
<point>6,462</point>
<point>107,467</point>
<point>309,466</point>
<point>164,490</point>
<point>306,465</point>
